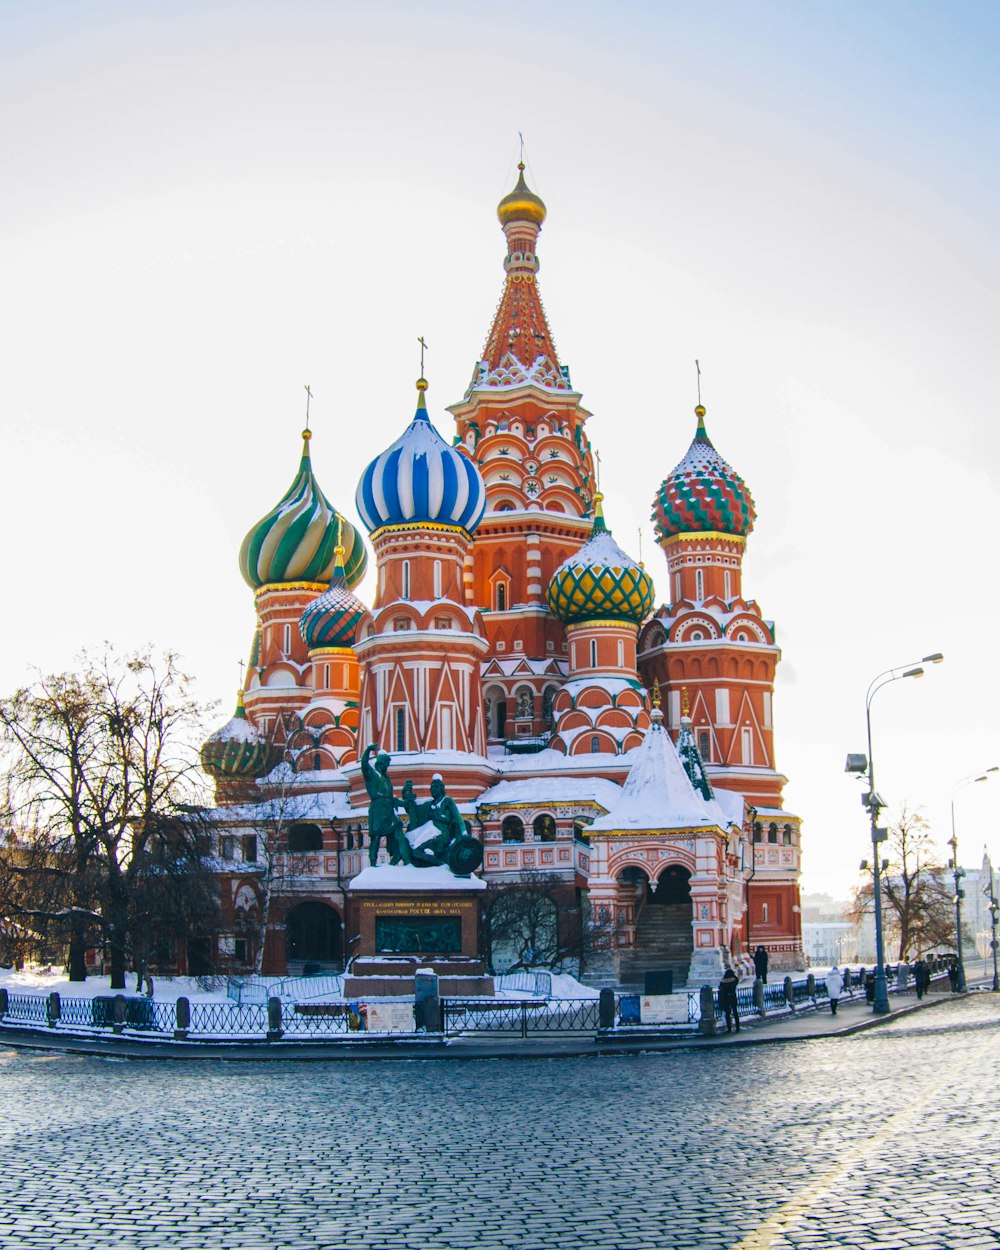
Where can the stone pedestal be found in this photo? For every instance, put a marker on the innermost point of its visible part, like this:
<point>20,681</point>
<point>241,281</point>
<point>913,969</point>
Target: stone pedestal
<point>407,919</point>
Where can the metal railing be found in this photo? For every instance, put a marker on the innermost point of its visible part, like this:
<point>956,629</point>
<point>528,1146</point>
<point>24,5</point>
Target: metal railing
<point>525,982</point>
<point>519,1019</point>
<point>259,989</point>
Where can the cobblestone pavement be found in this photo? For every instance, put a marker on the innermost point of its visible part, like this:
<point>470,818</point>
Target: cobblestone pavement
<point>886,1139</point>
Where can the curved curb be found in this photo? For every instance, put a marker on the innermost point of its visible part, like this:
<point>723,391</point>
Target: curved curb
<point>434,1048</point>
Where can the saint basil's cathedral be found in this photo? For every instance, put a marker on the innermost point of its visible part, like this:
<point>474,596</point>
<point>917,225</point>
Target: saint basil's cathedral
<point>616,753</point>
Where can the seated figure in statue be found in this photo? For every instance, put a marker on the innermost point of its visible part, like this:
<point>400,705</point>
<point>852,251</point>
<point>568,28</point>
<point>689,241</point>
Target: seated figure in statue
<point>382,819</point>
<point>451,844</point>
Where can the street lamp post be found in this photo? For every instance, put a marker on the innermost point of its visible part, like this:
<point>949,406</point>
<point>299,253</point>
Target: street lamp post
<point>959,874</point>
<point>873,801</point>
<point>994,908</point>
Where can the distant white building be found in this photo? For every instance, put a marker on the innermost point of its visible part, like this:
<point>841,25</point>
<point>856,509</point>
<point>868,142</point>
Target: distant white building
<point>829,942</point>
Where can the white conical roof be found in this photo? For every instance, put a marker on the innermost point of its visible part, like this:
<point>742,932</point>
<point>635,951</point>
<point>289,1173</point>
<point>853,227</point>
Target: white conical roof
<point>658,794</point>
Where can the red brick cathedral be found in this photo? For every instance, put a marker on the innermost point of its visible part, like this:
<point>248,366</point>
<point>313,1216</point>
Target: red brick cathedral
<point>613,757</point>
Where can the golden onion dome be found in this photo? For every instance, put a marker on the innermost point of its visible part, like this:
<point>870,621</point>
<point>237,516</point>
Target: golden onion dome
<point>521,204</point>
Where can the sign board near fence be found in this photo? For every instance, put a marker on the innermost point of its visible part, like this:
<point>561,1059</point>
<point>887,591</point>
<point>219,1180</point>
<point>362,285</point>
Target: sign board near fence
<point>390,1017</point>
<point>663,1009</point>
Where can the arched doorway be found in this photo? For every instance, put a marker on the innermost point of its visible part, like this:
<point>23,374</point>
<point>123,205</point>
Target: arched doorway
<point>314,935</point>
<point>664,937</point>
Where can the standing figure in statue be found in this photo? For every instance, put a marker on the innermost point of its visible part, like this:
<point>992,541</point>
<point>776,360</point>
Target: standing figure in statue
<point>382,819</point>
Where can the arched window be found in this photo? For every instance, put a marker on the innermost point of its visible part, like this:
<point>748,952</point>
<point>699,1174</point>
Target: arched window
<point>758,831</point>
<point>305,838</point>
<point>595,745</point>
<point>703,745</point>
<point>512,829</point>
<point>772,833</point>
<point>786,835</point>
<point>406,579</point>
<point>501,596</point>
<point>437,579</point>
<point>593,653</point>
<point>544,828</point>
<point>699,584</point>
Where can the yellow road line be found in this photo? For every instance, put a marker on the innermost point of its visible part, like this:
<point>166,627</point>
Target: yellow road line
<point>766,1235</point>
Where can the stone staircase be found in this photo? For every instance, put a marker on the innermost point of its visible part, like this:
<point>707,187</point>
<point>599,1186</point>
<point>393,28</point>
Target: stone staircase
<point>663,940</point>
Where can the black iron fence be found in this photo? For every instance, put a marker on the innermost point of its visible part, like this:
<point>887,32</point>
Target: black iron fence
<point>519,1019</point>
<point>277,1018</point>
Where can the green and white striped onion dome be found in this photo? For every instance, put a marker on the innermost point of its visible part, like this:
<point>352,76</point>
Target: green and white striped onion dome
<point>295,542</point>
<point>600,581</point>
<point>238,749</point>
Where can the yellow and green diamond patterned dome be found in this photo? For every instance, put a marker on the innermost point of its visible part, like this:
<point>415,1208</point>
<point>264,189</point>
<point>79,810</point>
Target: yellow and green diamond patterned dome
<point>600,582</point>
<point>297,539</point>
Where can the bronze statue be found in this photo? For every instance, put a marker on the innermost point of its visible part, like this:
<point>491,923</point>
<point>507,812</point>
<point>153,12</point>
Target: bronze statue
<point>382,819</point>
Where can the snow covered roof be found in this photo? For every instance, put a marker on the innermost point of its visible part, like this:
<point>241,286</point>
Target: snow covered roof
<point>548,790</point>
<point>402,877</point>
<point>325,805</point>
<point>657,793</point>
<point>611,685</point>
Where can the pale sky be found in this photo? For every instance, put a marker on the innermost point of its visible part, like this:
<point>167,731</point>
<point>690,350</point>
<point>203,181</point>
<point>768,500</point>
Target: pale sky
<point>207,206</point>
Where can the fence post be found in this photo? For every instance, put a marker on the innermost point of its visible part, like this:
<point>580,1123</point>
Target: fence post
<point>811,986</point>
<point>706,1001</point>
<point>789,992</point>
<point>606,1009</point>
<point>524,1019</point>
<point>427,1001</point>
<point>183,1019</point>
<point>274,1029</point>
<point>118,1008</point>
<point>53,1009</point>
<point>4,1002</point>
<point>758,998</point>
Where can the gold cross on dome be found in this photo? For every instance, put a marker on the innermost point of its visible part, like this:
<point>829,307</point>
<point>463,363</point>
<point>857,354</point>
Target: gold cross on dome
<point>423,348</point>
<point>309,396</point>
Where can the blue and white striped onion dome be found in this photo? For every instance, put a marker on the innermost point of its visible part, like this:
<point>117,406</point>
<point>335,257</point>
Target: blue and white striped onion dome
<point>331,619</point>
<point>421,478</point>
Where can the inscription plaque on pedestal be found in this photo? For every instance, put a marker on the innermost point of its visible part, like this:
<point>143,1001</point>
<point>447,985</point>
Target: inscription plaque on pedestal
<point>418,935</point>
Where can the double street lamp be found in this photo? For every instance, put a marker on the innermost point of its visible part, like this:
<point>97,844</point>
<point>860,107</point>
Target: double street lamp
<point>874,802</point>
<point>959,873</point>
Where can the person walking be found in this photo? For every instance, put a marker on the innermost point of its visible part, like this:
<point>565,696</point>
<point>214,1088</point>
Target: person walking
<point>834,984</point>
<point>728,1001</point>
<point>921,977</point>
<point>760,964</point>
<point>953,975</point>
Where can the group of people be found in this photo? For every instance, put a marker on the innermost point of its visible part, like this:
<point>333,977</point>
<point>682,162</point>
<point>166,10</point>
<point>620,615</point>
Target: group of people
<point>838,981</point>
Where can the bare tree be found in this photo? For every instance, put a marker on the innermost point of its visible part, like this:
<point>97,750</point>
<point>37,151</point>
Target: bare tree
<point>536,921</point>
<point>100,782</point>
<point>916,895</point>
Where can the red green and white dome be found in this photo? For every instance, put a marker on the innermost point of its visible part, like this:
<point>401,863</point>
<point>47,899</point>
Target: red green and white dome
<point>600,582</point>
<point>295,542</point>
<point>703,494</point>
<point>237,749</point>
<point>331,620</point>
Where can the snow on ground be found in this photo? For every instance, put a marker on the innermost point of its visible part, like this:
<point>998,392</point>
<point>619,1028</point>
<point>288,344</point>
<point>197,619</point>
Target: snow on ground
<point>43,980</point>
